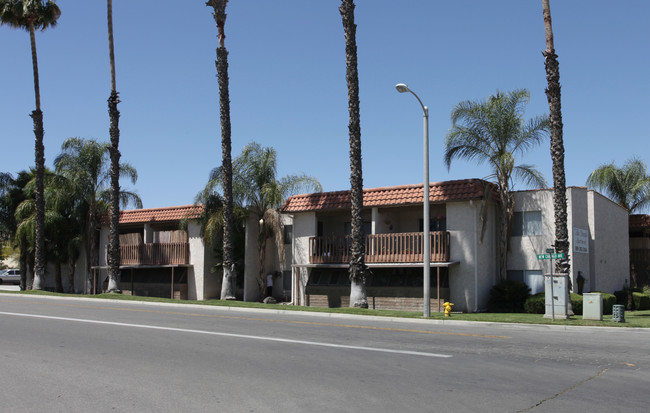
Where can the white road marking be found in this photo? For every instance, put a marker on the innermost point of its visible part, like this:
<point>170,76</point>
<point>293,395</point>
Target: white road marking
<point>214,333</point>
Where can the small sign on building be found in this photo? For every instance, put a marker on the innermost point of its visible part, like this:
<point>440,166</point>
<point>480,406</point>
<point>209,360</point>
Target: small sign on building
<point>580,240</point>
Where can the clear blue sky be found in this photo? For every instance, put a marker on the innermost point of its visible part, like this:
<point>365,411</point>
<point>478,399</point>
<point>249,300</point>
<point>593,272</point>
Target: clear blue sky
<point>288,88</point>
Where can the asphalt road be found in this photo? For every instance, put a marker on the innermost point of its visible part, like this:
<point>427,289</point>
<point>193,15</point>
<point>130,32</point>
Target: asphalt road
<point>79,355</point>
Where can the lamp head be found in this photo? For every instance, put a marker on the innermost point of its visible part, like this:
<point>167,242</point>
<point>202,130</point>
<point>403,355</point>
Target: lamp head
<point>402,88</point>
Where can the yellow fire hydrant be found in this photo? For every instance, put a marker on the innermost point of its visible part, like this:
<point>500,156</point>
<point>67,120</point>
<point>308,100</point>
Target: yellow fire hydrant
<point>447,306</point>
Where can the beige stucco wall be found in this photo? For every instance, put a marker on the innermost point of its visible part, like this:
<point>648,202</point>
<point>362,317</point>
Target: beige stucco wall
<point>610,260</point>
<point>579,213</point>
<point>304,226</point>
<point>470,281</point>
<point>202,283</point>
<point>524,249</point>
<point>605,265</point>
<point>272,260</point>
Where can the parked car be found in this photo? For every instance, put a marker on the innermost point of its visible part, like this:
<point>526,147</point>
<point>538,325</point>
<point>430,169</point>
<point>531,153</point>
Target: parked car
<point>10,276</point>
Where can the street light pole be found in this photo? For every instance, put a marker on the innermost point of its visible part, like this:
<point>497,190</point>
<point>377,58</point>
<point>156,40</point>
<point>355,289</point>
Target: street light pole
<point>426,253</point>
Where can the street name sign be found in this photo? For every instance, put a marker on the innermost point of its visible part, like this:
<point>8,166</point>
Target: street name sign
<point>555,256</point>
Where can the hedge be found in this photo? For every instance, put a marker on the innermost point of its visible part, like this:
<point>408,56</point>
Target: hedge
<point>641,301</point>
<point>535,304</point>
<point>508,297</point>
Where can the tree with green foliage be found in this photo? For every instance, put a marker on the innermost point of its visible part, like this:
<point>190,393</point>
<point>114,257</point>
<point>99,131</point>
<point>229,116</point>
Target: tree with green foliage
<point>85,164</point>
<point>212,232</point>
<point>31,15</point>
<point>12,196</point>
<point>57,229</point>
<point>257,191</point>
<point>358,270</point>
<point>6,213</point>
<point>227,284</point>
<point>628,186</point>
<point>494,131</point>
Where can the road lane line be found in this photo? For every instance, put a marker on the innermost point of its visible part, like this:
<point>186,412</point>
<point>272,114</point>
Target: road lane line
<point>402,330</point>
<point>245,336</point>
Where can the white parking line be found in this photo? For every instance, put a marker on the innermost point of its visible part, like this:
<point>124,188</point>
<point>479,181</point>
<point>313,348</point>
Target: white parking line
<point>214,333</point>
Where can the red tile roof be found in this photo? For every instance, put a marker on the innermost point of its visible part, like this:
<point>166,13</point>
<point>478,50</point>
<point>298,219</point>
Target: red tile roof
<point>459,190</point>
<point>640,221</point>
<point>168,214</point>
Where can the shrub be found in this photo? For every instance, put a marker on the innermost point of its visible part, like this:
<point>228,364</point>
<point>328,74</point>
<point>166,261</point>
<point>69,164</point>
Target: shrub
<point>621,297</point>
<point>535,304</point>
<point>641,301</point>
<point>576,303</point>
<point>632,299</point>
<point>508,297</point>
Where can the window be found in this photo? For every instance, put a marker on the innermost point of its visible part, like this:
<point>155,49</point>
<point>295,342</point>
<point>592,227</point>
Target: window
<point>287,234</point>
<point>515,275</point>
<point>527,223</point>
<point>534,279</point>
<point>438,223</point>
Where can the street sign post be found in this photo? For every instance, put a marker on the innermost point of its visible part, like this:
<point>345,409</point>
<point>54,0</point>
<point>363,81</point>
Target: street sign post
<point>554,256</point>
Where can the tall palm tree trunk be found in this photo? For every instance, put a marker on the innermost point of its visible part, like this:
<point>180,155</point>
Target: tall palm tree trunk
<point>23,265</point>
<point>227,285</point>
<point>228,280</point>
<point>562,266</point>
<point>358,297</point>
<point>40,261</point>
<point>114,230</point>
<point>91,247</point>
<point>114,114</point>
<point>507,211</point>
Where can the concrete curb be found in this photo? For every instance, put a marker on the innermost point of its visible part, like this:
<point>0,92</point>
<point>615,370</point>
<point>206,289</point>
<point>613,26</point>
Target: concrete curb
<point>636,330</point>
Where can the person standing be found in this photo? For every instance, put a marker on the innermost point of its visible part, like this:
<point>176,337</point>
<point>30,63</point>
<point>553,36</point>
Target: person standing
<point>269,284</point>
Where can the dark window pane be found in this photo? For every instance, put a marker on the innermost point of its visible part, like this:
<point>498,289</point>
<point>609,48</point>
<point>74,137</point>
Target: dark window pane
<point>515,275</point>
<point>517,224</point>
<point>288,234</point>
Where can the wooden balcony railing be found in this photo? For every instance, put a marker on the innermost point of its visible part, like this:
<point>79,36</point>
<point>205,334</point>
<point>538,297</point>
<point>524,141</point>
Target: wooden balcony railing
<point>405,247</point>
<point>169,253</point>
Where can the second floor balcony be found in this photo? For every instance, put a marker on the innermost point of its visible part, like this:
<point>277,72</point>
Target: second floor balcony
<point>164,253</point>
<point>405,247</point>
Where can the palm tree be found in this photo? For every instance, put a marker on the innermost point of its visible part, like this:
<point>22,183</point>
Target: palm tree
<point>211,222</point>
<point>6,213</point>
<point>358,270</point>
<point>31,15</point>
<point>563,265</point>
<point>84,163</point>
<point>628,186</point>
<point>114,114</point>
<point>494,131</point>
<point>64,227</point>
<point>25,216</point>
<point>12,197</point>
<point>257,190</point>
<point>227,285</point>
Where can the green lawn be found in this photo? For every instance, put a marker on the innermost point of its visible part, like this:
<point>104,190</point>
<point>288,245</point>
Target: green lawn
<point>640,319</point>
